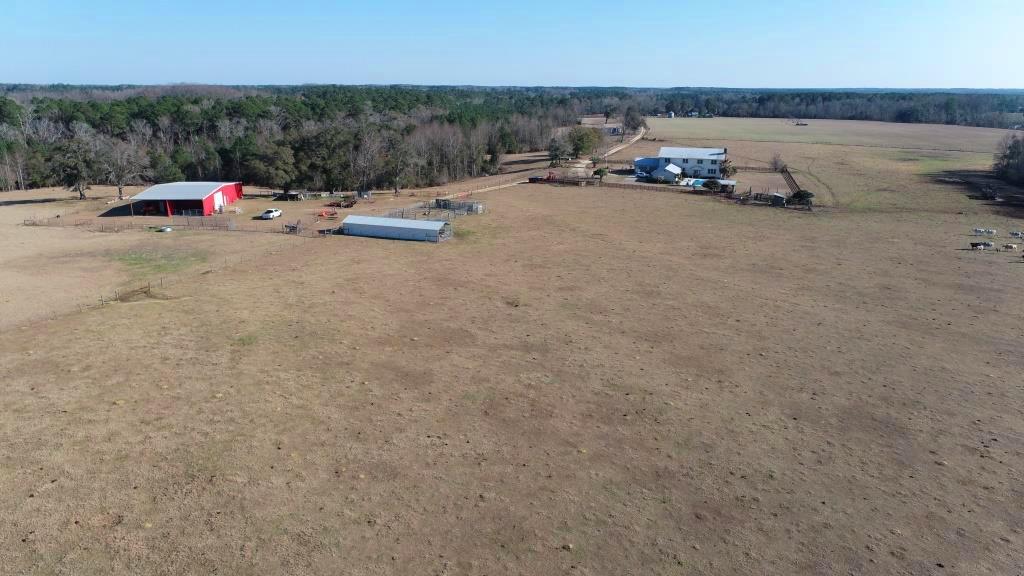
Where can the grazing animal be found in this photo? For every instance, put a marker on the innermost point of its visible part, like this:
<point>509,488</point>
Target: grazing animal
<point>979,231</point>
<point>1010,247</point>
<point>982,245</point>
<point>1017,234</point>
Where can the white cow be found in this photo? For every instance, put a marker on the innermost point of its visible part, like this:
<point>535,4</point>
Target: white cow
<point>1010,247</point>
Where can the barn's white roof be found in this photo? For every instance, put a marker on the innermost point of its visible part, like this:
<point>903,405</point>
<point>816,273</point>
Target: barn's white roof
<point>393,222</point>
<point>698,153</point>
<point>180,191</point>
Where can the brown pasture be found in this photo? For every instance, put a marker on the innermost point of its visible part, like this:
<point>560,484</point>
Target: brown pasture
<point>582,381</point>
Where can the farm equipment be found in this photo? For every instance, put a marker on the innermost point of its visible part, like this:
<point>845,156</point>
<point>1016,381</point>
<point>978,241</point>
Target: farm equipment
<point>551,177</point>
<point>343,203</point>
<point>327,214</point>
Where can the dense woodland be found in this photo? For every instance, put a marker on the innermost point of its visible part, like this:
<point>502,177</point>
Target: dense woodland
<point>349,137</point>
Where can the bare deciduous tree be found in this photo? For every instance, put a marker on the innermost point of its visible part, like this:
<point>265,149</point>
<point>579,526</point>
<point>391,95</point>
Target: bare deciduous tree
<point>122,164</point>
<point>777,163</point>
<point>366,156</point>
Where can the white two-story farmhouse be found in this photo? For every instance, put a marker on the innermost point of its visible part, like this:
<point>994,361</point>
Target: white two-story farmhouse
<point>692,162</point>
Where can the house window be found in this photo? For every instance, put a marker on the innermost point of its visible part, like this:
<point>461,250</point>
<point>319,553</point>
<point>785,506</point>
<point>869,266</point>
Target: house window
<point>685,161</point>
<point>700,161</point>
<point>714,161</point>
<point>711,170</point>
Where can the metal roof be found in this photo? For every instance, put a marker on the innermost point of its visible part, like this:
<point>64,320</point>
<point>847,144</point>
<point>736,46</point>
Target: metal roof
<point>180,191</point>
<point>701,181</point>
<point>393,222</point>
<point>698,153</point>
<point>669,168</point>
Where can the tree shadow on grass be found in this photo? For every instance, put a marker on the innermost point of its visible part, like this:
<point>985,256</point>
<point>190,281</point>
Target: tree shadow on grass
<point>983,186</point>
<point>533,159</point>
<point>30,201</point>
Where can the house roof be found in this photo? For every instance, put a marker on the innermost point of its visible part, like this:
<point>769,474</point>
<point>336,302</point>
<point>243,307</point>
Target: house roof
<point>671,168</point>
<point>393,222</point>
<point>698,153</point>
<point>180,191</point>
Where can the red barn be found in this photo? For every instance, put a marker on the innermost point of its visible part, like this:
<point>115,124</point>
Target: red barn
<point>186,198</point>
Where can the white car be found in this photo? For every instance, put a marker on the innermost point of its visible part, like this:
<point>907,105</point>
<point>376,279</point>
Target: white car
<point>271,213</point>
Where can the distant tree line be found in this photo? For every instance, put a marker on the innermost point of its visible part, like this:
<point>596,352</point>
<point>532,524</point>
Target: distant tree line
<point>321,138</point>
<point>994,110</point>
<point>348,137</point>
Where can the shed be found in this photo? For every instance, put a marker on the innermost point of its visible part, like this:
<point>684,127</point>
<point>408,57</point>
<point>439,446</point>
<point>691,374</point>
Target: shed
<point>396,228</point>
<point>186,198</point>
<point>668,173</point>
<point>645,165</point>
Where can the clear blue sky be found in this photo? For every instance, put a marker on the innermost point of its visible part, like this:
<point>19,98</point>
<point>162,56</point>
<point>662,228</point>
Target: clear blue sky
<point>783,43</point>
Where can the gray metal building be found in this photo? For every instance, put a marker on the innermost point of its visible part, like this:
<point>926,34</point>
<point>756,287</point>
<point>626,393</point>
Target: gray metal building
<point>396,228</point>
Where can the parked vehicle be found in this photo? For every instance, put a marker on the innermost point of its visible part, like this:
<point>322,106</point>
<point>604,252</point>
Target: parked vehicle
<point>271,213</point>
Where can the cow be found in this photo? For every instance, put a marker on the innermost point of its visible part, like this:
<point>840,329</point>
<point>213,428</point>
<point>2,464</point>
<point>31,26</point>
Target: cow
<point>1010,247</point>
<point>985,232</point>
<point>1017,234</point>
<point>982,245</point>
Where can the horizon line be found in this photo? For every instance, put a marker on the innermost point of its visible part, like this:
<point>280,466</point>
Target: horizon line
<point>506,86</point>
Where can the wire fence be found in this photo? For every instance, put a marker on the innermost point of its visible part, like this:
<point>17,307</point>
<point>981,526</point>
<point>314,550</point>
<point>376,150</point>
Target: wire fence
<point>202,223</point>
<point>153,287</point>
<point>445,209</point>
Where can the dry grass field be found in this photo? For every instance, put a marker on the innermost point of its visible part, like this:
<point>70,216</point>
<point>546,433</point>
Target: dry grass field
<point>582,381</point>
<point>50,271</point>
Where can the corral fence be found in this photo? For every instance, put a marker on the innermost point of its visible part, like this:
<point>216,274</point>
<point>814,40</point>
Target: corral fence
<point>616,185</point>
<point>446,209</point>
<point>750,197</point>
<point>790,181</point>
